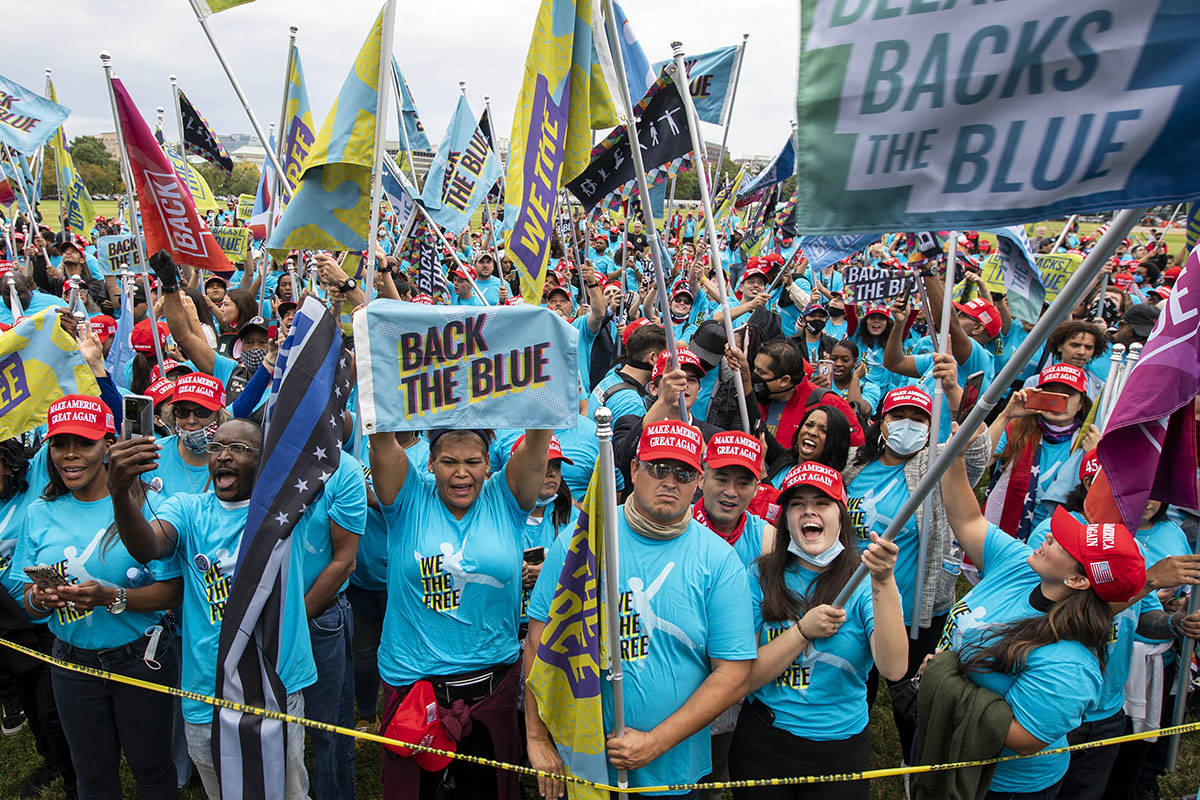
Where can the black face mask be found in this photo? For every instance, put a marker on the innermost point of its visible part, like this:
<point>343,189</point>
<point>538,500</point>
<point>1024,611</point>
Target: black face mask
<point>761,393</point>
<point>815,326</point>
<point>920,328</point>
<point>834,311</point>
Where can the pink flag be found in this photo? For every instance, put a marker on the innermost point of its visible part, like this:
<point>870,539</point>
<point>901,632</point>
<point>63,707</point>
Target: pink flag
<point>1148,450</point>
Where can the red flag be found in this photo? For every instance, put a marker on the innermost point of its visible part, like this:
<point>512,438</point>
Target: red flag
<point>169,218</point>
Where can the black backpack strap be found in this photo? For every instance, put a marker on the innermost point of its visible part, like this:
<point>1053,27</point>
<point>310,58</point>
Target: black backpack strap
<point>625,383</point>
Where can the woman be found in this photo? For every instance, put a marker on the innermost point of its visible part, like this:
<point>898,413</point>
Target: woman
<point>808,712</point>
<point>847,379</point>
<point>1031,444</point>
<point>196,410</point>
<point>871,336</point>
<point>104,610</point>
<point>824,437</point>
<point>237,307</point>
<point>453,596</point>
<point>1035,629</point>
<point>880,478</point>
<point>551,516</point>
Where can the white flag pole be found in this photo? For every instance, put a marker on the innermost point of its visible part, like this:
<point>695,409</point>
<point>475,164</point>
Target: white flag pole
<point>179,148</point>
<point>737,76</point>
<point>267,261</point>
<point>381,104</point>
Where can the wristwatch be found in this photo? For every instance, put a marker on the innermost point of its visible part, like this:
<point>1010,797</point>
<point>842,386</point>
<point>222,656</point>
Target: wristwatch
<point>118,605</point>
<point>349,285</point>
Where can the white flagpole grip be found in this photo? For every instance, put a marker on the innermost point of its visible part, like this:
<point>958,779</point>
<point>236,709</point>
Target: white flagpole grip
<point>381,104</point>
<point>612,582</point>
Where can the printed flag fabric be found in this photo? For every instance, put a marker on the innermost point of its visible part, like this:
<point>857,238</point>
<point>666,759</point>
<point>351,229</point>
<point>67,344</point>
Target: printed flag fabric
<point>1022,281</point>
<point>20,181</point>
<point>8,195</point>
<point>298,127</point>
<point>214,6</point>
<point>464,367</point>
<point>202,195</point>
<point>566,675</point>
<point>199,139</point>
<point>27,120</point>
<point>1192,225</point>
<point>710,77</point>
<point>75,203</point>
<point>431,280</point>
<point>564,96</point>
<point>782,167</point>
<point>399,192</point>
<point>977,116</point>
<point>331,207</point>
<point>724,200</point>
<point>121,352</point>
<point>39,363</point>
<point>1148,451</point>
<point>257,216</point>
<point>462,172</point>
<point>410,118</point>
<point>301,450</point>
<point>639,75</point>
<point>824,251</point>
<point>169,218</point>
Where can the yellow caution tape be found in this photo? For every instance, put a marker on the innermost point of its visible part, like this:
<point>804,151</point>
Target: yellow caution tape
<point>890,772</point>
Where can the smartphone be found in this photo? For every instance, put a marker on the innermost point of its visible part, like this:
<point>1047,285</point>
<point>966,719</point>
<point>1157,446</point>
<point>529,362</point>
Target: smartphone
<point>139,416</point>
<point>45,576</point>
<point>970,395</point>
<point>535,555</point>
<point>825,368</point>
<point>1037,400</point>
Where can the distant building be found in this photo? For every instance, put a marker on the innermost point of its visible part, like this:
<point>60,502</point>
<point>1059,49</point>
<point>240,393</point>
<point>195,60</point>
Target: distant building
<point>254,153</point>
<point>109,140</point>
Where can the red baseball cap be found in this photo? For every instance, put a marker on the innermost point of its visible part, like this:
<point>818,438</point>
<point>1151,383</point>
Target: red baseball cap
<point>80,414</point>
<point>819,476</point>
<point>203,390</point>
<point>1123,280</point>
<point>1171,273</point>
<point>631,327</point>
<point>555,449</point>
<point>1065,374</point>
<point>686,359</point>
<point>755,270</point>
<point>1090,466</point>
<point>103,326</point>
<point>142,337</point>
<point>734,449</point>
<point>416,720</point>
<point>464,272</point>
<point>884,310</point>
<point>161,390</point>
<point>169,364</point>
<point>983,311</point>
<point>1110,557</point>
<point>681,287</point>
<point>673,440</point>
<point>908,396</point>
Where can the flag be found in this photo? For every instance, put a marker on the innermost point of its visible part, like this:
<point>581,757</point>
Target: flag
<point>8,195</point>
<point>723,202</point>
<point>202,195</point>
<point>169,218</point>
<point>199,139</point>
<point>409,118</point>
<point>566,674</point>
<point>298,138</point>
<point>639,75</point>
<point>121,352</point>
<point>430,278</point>
<point>710,77</point>
<point>1022,281</point>
<point>40,363</point>
<point>215,6</point>
<point>1192,226</point>
<point>663,135</point>
<point>463,171</point>
<point>27,120</point>
<point>301,450</point>
<point>399,192</point>
<point>1148,451</point>
<point>75,204</point>
<point>331,207</point>
<point>257,216</point>
<point>782,167</point>
<point>564,96</point>
<point>21,180</point>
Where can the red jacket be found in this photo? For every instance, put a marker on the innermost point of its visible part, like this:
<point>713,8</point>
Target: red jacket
<point>798,404</point>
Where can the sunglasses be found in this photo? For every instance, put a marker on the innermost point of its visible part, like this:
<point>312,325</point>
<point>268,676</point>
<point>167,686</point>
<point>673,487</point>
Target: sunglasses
<point>199,412</point>
<point>237,448</point>
<point>659,471</point>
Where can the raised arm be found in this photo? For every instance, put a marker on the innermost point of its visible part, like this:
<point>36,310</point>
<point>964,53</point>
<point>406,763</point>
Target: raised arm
<point>527,467</point>
<point>128,460</point>
<point>894,359</point>
<point>389,467</point>
<point>962,511</point>
<point>960,343</point>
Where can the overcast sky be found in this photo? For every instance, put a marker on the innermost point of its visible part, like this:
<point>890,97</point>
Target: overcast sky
<point>438,43</point>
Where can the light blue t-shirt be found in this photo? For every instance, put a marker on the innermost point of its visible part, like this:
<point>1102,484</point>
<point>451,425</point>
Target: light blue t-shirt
<point>454,586</point>
<point>39,301</point>
<point>209,533</point>
<point>176,475</point>
<point>683,601</point>
<point>12,518</point>
<point>68,535</point>
<point>578,444</point>
<point>875,495</point>
<point>344,502</point>
<point>822,695</point>
<point>587,338</point>
<point>620,403</point>
<point>541,532</point>
<point>490,288</point>
<point>980,360</point>
<point>1060,681</point>
<point>1161,540</point>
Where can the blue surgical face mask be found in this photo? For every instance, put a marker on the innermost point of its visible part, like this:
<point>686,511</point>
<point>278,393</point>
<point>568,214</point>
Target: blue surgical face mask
<point>1139,278</point>
<point>821,560</point>
<point>906,436</point>
<point>196,441</point>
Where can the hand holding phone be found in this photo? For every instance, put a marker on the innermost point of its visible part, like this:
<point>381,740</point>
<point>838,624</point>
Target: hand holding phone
<point>44,576</point>
<point>138,416</point>
<point>1038,400</point>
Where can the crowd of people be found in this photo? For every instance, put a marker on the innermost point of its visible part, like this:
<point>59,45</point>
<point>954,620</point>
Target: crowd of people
<point>425,573</point>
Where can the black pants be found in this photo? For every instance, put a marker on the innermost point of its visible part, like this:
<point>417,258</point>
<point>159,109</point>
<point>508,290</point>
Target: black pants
<point>761,750</point>
<point>1090,769</point>
<point>903,693</point>
<point>1138,764</point>
<point>29,680</point>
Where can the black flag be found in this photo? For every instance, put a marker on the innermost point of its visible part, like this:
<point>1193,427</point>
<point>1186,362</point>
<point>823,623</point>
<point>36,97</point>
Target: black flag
<point>199,139</point>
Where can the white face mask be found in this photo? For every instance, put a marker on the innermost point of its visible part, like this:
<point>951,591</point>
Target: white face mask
<point>906,436</point>
<point>823,559</point>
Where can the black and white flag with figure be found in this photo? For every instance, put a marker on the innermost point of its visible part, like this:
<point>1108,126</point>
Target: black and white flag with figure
<point>301,450</point>
<point>199,139</point>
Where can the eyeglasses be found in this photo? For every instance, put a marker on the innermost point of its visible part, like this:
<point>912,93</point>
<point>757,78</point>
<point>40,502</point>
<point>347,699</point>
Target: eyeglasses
<point>659,471</point>
<point>237,448</point>
<point>199,412</point>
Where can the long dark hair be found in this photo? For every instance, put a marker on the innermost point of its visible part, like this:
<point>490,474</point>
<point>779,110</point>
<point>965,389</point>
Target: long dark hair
<point>14,461</point>
<point>55,488</point>
<point>874,341</point>
<point>837,438</point>
<point>247,306</point>
<point>1025,432</point>
<point>561,507</point>
<point>782,604</point>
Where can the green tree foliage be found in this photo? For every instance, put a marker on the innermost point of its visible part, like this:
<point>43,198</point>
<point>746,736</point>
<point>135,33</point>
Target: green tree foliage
<point>100,172</point>
<point>244,179</point>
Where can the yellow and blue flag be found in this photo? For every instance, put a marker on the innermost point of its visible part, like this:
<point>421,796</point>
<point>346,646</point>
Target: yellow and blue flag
<point>75,204</point>
<point>39,363</point>
<point>331,207</point>
<point>19,180</point>
<point>409,118</point>
<point>202,196</point>
<point>463,171</point>
<point>1191,226</point>
<point>215,6</point>
<point>298,129</point>
<point>564,96</point>
<point>566,673</point>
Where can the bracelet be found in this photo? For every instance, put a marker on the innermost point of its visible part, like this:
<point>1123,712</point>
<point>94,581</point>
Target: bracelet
<point>800,628</point>
<point>35,606</point>
<point>592,285</point>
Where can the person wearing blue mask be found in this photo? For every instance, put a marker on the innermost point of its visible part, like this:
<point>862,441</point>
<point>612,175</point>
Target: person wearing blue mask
<point>196,410</point>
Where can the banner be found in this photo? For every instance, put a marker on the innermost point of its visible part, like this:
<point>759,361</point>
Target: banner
<point>425,367</point>
<point>823,251</point>
<point>778,171</point>
<point>27,120</point>
<point>235,242</point>
<point>199,139</point>
<point>245,204</point>
<point>202,196</point>
<point>1022,283</point>
<point>1056,269</point>
<point>463,171</point>
<point>1192,226</point>
<point>967,116</point>
<point>117,253</point>
<point>298,127</point>
<point>877,285</point>
<point>410,119</point>
<point>76,209</point>
<point>39,363</point>
<point>710,77</point>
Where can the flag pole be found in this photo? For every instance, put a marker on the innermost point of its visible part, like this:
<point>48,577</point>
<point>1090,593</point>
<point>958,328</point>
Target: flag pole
<point>134,225</point>
<point>635,150</point>
<point>710,227</point>
<point>453,251</point>
<point>41,167</point>
<point>1062,235</point>
<point>612,584</point>
<point>381,105</point>
<point>32,226</point>
<point>179,115</point>
<point>1183,681</point>
<point>1067,299</point>
<point>412,167</point>
<point>237,89</point>
<point>737,76</point>
<point>487,104</point>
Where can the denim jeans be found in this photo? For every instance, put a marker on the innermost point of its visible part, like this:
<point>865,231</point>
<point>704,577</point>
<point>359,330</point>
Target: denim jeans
<point>368,607</point>
<point>1088,774</point>
<point>103,719</point>
<point>1049,793</point>
<point>199,742</point>
<point>331,699</point>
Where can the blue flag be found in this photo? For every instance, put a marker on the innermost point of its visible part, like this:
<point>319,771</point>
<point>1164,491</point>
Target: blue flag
<point>462,173</point>
<point>417,139</point>
<point>1022,279</point>
<point>782,167</point>
<point>27,120</point>
<point>20,180</point>
<point>710,76</point>
<point>821,251</point>
<point>121,352</point>
<point>638,74</point>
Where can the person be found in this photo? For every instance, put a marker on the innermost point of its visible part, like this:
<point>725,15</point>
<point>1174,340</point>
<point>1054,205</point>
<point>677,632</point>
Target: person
<point>623,389</point>
<point>1081,344</point>
<point>808,712</point>
<point>552,515</point>
<point>1136,324</point>
<point>486,280</point>
<point>686,642</point>
<point>205,531</point>
<point>810,334</point>
<point>847,377</point>
<point>1035,629</point>
<point>454,592</point>
<point>104,607</point>
<point>824,437</point>
<point>196,410</point>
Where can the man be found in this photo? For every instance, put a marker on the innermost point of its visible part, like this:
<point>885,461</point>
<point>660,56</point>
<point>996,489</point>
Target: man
<point>464,293</point>
<point>214,289</point>
<point>588,326</point>
<point>31,301</point>
<point>205,530</point>
<point>623,389</point>
<point>486,280</point>
<point>1079,343</point>
<point>733,463</point>
<point>1137,323</point>
<point>687,638</point>
<point>811,336</point>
